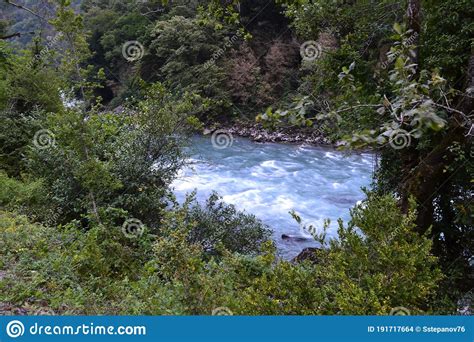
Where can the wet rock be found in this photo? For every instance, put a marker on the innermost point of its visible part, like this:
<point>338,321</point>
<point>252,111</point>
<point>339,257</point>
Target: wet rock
<point>294,238</point>
<point>311,254</point>
<point>257,133</point>
<point>466,304</point>
<point>119,110</point>
<point>7,309</point>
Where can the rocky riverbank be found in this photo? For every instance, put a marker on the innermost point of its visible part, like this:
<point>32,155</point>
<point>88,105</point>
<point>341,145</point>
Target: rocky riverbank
<point>257,133</point>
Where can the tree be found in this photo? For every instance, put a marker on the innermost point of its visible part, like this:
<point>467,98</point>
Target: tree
<point>417,115</point>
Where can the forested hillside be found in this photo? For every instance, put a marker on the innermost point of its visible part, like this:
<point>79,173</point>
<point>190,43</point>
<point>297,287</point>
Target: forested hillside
<point>99,101</point>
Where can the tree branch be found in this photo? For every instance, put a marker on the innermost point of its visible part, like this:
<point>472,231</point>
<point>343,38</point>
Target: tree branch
<point>17,34</point>
<point>26,9</point>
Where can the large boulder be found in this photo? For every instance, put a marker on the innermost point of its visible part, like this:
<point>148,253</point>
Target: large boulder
<point>311,254</point>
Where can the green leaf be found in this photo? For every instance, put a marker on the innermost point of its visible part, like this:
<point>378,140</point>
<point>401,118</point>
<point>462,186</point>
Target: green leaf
<point>397,28</point>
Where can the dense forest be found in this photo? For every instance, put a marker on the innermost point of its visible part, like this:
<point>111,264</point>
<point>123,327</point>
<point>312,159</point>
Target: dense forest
<point>99,100</point>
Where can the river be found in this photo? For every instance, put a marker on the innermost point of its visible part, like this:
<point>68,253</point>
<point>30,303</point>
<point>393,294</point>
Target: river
<point>270,179</point>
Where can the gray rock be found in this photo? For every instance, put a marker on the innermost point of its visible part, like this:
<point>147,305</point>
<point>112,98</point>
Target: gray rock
<point>311,254</point>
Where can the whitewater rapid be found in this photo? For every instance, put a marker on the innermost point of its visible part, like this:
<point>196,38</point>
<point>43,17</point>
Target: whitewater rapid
<point>269,180</point>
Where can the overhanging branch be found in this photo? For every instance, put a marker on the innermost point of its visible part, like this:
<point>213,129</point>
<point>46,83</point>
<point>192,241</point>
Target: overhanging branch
<point>9,2</point>
<point>13,35</point>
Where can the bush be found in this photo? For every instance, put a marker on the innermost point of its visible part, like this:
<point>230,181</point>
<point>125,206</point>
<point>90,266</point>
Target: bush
<point>26,196</point>
<point>220,224</point>
<point>185,49</point>
<point>377,263</point>
<point>380,261</point>
<point>28,90</point>
<point>124,161</point>
<point>66,269</point>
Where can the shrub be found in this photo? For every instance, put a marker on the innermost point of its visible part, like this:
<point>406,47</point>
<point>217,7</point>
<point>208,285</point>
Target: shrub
<point>66,269</point>
<point>218,223</point>
<point>377,263</point>
<point>124,161</point>
<point>26,196</point>
<point>380,262</point>
<point>185,48</point>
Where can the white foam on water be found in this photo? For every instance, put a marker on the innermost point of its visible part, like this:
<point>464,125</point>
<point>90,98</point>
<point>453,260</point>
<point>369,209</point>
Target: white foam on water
<point>269,180</point>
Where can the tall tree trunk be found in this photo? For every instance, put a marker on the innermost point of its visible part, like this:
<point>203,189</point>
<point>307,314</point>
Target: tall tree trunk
<point>410,157</point>
<point>414,25</point>
<point>426,179</point>
<point>424,175</point>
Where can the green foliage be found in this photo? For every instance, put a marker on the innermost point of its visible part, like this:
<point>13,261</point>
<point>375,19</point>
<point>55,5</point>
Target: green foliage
<point>353,20</point>
<point>18,133</point>
<point>377,263</point>
<point>184,48</point>
<point>127,27</point>
<point>102,168</point>
<point>119,161</point>
<point>29,88</point>
<point>345,33</point>
<point>374,265</point>
<point>73,277</point>
<point>414,108</point>
<point>27,83</point>
<point>368,257</point>
<point>449,38</point>
<point>218,225</point>
<point>20,195</point>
